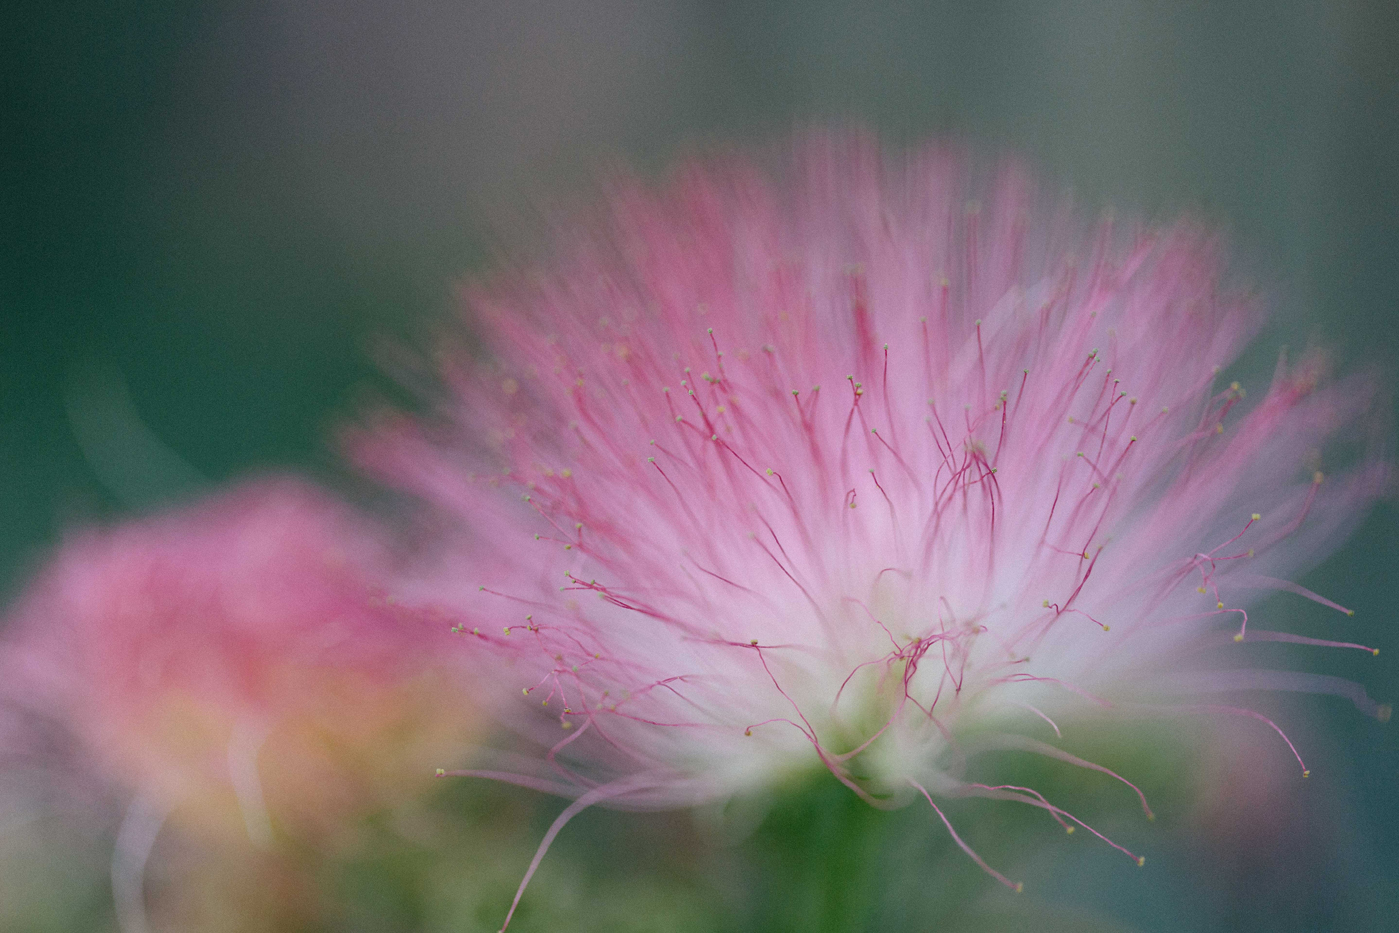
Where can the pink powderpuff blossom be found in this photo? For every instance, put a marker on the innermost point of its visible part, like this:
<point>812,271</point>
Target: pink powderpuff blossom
<point>235,665</point>
<point>867,461</point>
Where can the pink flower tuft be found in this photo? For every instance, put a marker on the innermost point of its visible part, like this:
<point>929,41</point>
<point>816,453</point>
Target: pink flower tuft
<point>870,462</point>
<point>212,658</point>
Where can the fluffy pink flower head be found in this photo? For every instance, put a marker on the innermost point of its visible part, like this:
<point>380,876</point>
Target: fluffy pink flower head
<point>866,461</point>
<point>234,661</point>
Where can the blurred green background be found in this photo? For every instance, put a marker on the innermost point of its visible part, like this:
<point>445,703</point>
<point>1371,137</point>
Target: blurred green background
<point>209,214</point>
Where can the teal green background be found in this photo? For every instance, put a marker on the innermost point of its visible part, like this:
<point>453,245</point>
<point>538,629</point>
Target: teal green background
<point>221,209</point>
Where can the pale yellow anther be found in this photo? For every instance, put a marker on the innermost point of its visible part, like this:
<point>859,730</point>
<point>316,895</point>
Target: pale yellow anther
<point>1141,860</point>
<point>1069,830</point>
<point>1256,516</point>
<point>441,772</point>
<point>1239,637</point>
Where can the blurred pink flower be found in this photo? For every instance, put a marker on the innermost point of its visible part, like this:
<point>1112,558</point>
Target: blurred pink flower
<point>870,460</point>
<point>236,665</point>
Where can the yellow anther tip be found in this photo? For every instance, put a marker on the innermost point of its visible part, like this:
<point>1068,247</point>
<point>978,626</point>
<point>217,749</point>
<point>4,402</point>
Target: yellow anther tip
<point>1306,774</point>
<point>441,772</point>
<point>1019,887</point>
<point>1219,605</point>
<point>1239,637</point>
<point>1141,860</point>
<point>1256,516</point>
<point>1107,628</point>
<point>1069,830</point>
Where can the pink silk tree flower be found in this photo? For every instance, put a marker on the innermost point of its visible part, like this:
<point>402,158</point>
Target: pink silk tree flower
<point>863,461</point>
<point>236,665</point>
